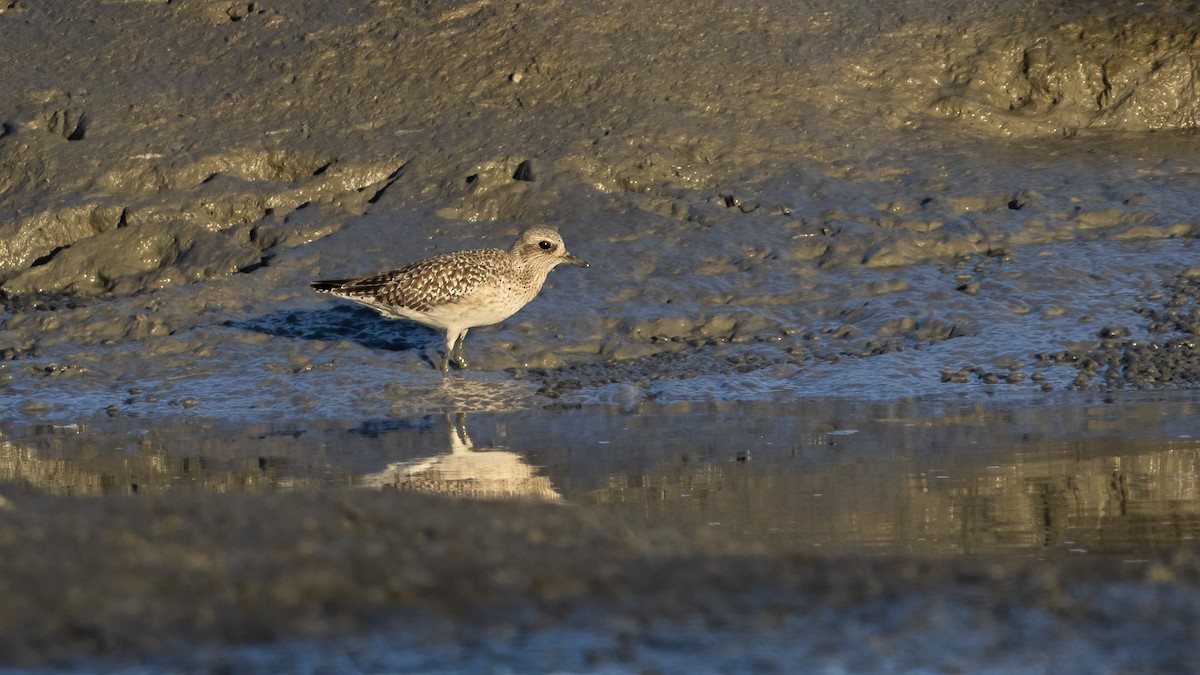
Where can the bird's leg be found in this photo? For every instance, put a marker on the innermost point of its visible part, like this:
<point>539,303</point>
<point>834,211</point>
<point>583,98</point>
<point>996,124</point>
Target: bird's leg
<point>451,339</point>
<point>458,356</point>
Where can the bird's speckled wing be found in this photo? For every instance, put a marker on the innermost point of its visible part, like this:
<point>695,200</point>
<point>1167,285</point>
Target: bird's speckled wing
<point>421,286</point>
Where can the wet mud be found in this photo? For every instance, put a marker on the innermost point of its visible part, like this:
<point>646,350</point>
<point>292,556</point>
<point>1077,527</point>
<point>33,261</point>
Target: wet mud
<point>590,539</point>
<point>1054,536</point>
<point>944,254</point>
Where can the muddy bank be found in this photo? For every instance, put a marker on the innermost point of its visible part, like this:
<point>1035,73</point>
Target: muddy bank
<point>151,576</point>
<point>132,167</point>
<point>763,191</point>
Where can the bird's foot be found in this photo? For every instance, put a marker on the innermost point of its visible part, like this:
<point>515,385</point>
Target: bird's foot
<point>458,361</point>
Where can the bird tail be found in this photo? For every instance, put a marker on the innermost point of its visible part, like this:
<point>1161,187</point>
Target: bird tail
<point>328,285</point>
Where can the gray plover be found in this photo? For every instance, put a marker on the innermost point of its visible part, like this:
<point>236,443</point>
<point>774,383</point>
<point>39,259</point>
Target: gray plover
<point>458,291</point>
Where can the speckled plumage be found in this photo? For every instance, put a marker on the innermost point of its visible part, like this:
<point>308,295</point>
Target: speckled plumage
<point>461,290</point>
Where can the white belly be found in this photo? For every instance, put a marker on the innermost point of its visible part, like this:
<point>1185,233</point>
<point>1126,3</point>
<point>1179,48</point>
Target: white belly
<point>484,307</point>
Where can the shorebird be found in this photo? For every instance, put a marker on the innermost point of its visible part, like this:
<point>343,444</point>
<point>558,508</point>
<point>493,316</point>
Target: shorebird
<point>457,291</point>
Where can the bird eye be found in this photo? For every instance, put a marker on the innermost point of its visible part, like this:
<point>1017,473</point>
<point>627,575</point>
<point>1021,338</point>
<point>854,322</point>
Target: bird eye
<point>545,245</point>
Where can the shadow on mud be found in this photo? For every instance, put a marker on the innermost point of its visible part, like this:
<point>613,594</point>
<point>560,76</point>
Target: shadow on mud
<point>343,322</point>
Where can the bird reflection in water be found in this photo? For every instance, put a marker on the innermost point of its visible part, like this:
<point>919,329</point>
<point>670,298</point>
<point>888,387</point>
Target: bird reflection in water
<point>467,472</point>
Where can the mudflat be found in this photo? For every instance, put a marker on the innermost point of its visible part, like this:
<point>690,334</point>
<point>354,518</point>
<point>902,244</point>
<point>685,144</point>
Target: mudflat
<point>885,361</point>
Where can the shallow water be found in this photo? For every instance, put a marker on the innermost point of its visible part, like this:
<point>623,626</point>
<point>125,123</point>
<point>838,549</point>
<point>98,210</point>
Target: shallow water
<point>1079,477</point>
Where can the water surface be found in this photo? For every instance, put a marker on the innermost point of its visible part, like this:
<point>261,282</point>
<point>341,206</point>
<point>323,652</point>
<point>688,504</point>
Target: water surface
<point>1092,477</point>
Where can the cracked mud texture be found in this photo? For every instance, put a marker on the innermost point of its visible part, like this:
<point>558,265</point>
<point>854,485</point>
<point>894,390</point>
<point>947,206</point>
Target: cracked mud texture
<point>783,201</point>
